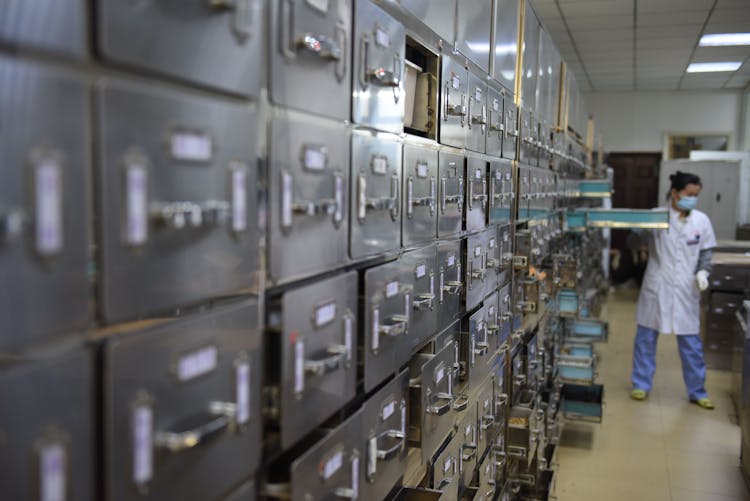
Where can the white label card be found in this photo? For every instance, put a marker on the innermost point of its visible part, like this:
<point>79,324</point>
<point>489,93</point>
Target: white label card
<point>492,243</point>
<point>382,38</point>
<point>333,465</point>
<point>422,169</point>
<point>286,199</point>
<point>478,174</point>
<point>375,329</point>
<point>389,409</point>
<point>197,363</point>
<point>421,271</point>
<point>325,314</point>
<point>477,251</point>
<point>191,145</point>
<point>239,198</point>
<point>379,165</point>
<point>143,460</point>
<point>391,289</point>
<point>136,202</point>
<point>242,384</point>
<point>299,365</point>
<point>439,375</point>
<point>49,208</point>
<point>447,465</point>
<point>52,473</point>
<point>455,82</point>
<point>496,105</point>
<point>478,94</point>
<point>315,158</point>
<point>451,260</point>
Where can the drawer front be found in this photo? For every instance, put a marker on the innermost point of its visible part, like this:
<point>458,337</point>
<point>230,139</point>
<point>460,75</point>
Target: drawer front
<point>501,192</point>
<point>476,194</point>
<point>505,315</point>
<point>308,197</point>
<point>492,318</point>
<point>183,406</point>
<point>524,191</point>
<point>50,25</point>
<point>529,154</point>
<point>184,42</point>
<point>495,127</point>
<point>725,304</point>
<point>729,279</point>
<point>486,425</point>
<point>177,180</point>
<point>48,439</point>
<point>379,44</point>
<point>475,269</point>
<point>44,235</point>
<point>330,466</point>
<point>319,353</point>
<point>245,492</point>
<point>433,14</point>
<point>446,473</point>
<point>493,259</point>
<point>420,272</point>
<point>477,358</point>
<point>505,243</point>
<point>375,194</point>
<point>486,479</point>
<point>454,96</point>
<point>510,126</point>
<point>387,311</point>
<point>467,436</point>
<point>420,189</point>
<point>476,114</point>
<point>310,56</point>
<point>450,283</point>
<point>384,448</point>
<point>451,193</point>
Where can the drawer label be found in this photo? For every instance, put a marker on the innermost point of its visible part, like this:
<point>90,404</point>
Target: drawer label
<point>379,165</point>
<point>478,174</point>
<point>389,409</point>
<point>197,363</point>
<point>496,105</point>
<point>143,427</point>
<point>492,243</point>
<point>455,82</point>
<point>447,465</point>
<point>391,289</point>
<point>422,169</point>
<point>478,94</point>
<point>439,375</point>
<point>242,385</point>
<point>49,208</point>
<point>355,477</point>
<point>382,38</point>
<point>286,199</point>
<point>193,146</point>
<point>421,271</point>
<point>315,158</point>
<point>348,336</point>
<point>325,314</point>
<point>52,473</point>
<point>451,260</point>
<point>332,465</point>
<point>477,251</point>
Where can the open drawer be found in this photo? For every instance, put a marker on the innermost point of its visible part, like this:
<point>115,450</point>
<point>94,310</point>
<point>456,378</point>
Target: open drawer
<point>582,403</point>
<point>595,188</point>
<point>576,364</point>
<point>587,330</point>
<point>619,218</point>
<point>567,303</point>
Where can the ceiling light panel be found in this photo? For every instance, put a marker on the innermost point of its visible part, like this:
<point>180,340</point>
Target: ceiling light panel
<point>714,67</point>
<point>724,39</point>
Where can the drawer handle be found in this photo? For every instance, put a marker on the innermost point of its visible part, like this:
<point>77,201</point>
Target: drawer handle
<point>219,419</point>
<point>328,364</point>
<point>425,302</point>
<point>320,45</point>
<point>441,409</point>
<point>461,403</point>
<point>397,327</point>
<point>387,454</point>
<point>487,422</point>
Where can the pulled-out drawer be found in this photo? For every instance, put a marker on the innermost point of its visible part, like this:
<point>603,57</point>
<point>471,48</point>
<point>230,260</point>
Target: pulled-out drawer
<point>587,330</point>
<point>477,357</point>
<point>576,364</point>
<point>582,403</point>
<point>523,433</point>
<point>467,436</point>
<point>182,406</point>
<point>445,470</point>
<point>487,427</point>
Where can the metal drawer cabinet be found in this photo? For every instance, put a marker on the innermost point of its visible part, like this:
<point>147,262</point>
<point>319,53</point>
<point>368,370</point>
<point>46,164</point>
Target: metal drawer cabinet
<point>313,332</point>
<point>495,117</point>
<point>47,451</point>
<point>311,44</point>
<point>183,42</point>
<point>182,406</point>
<point>510,128</point>
<point>445,470</point>
<point>420,272</point>
<point>476,123</point>
<point>505,316</point>
<point>474,25</point>
<point>375,216</point>
<point>450,283</point>
<point>308,196</point>
<point>493,259</point>
<point>475,269</point>
<point>438,15</point>
<point>329,469</point>
<point>477,359</point>
<point>454,96</point>
<point>451,192</point>
<point>492,317</point>
<point>524,192</point>
<point>387,309</point>
<point>420,189</point>
<point>476,193</point>
<point>505,251</point>
<point>54,25</point>
<point>729,278</point>
<point>529,131</point>
<point>177,180</point>
<point>378,78</point>
<point>501,192</point>
<point>44,236</point>
<point>384,418</point>
<point>431,399</point>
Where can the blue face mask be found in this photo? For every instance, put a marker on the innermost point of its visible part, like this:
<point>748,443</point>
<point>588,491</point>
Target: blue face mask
<point>687,203</point>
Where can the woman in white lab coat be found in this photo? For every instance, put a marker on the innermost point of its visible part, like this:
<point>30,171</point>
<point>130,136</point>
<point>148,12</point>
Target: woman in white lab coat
<point>669,303</point>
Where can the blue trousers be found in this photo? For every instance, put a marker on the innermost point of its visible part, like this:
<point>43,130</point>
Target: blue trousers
<point>691,354</point>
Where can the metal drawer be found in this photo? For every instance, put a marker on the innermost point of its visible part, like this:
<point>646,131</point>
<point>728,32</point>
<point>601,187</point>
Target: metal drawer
<point>474,25</point>
<point>308,196</point>
<point>184,42</point>
<point>445,470</point>
<point>510,125</point>
<point>492,317</point>
<point>529,131</point>
<point>245,492</point>
<point>44,213</point>
<point>505,242</point>
<point>384,434</point>
<point>58,26</point>
<point>476,272</point>
<point>505,313</point>
<point>420,273</point>
<point>375,217</point>
<point>477,358</point>
<point>476,193</point>
<point>501,192</point>
<point>48,446</point>
<point>313,331</point>
<point>524,192</point>
<point>454,95</point>
<point>420,189</point>
<point>618,218</point>
<point>487,427</point>
<point>311,47</point>
<point>329,469</point>
<point>387,308</point>
<point>431,400</point>
<point>467,436</point>
<point>182,406</point>
<point>451,193</point>
<point>378,88</point>
<point>177,180</point>
<point>476,122</point>
<point>729,278</point>
<point>495,127</point>
<point>587,330</point>
<point>449,283</point>
<point>486,482</point>
<point>524,428</point>
<point>582,403</point>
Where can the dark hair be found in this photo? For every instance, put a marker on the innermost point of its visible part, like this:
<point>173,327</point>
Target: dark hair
<point>681,179</point>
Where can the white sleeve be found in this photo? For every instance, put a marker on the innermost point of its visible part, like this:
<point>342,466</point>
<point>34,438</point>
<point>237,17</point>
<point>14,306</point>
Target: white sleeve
<point>708,240</point>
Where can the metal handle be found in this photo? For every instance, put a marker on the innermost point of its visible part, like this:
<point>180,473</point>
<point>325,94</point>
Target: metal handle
<point>326,365</point>
<point>397,327</point>
<point>461,403</point>
<point>425,302</point>
<point>391,452</point>
<point>383,77</point>
<point>353,491</point>
<point>488,421</point>
<point>446,397</point>
<point>471,117</point>
<point>242,15</point>
<point>216,422</point>
<point>454,110</point>
<point>409,197</point>
<point>343,41</point>
<point>180,215</point>
<point>394,197</point>
<point>320,45</point>
<point>364,49</point>
<point>470,192</point>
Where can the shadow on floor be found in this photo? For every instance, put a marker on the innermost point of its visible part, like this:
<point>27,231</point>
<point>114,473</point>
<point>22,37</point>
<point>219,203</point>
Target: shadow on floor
<point>578,436</point>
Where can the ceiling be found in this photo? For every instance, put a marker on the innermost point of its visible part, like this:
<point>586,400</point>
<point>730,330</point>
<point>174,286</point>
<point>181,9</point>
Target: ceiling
<point>625,45</point>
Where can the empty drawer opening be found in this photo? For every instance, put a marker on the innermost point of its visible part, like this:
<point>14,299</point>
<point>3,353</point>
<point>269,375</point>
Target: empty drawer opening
<point>421,85</point>
<point>584,403</point>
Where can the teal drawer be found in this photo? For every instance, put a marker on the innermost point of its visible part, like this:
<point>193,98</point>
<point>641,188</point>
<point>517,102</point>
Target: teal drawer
<point>575,221</point>
<point>582,375</point>
<point>586,330</point>
<point>628,218</point>
<point>595,189</point>
<point>582,403</point>
<point>567,302</point>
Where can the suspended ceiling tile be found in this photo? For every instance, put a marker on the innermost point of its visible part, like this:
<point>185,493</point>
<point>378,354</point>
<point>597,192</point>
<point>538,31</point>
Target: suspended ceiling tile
<point>731,26</point>
<point>673,5</point>
<point>583,37</point>
<point>599,23</point>
<point>738,53</point>
<point>721,4</point>
<point>596,8</point>
<point>666,43</point>
<point>686,31</point>
<point>738,82</point>
<point>731,14</point>
<point>673,18</point>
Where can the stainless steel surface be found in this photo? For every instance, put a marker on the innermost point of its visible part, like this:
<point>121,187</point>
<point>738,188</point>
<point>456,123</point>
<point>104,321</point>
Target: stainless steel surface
<point>530,50</point>
<point>451,179</point>
<point>477,119</point>
<point>493,259</point>
<point>420,274</point>
<point>529,131</point>
<point>495,117</point>
<point>505,244</point>
<point>179,399</point>
<point>438,15</point>
<point>475,269</point>
<point>43,204</point>
<point>476,193</point>
<point>506,42</point>
<point>510,128</point>
<point>486,426</point>
<point>316,340</point>
<point>383,438</point>
<point>308,196</point>
<point>378,78</point>
<point>493,319</point>
<point>387,308</point>
<point>454,97</point>
<point>477,357</point>
<point>182,40</point>
<point>474,26</point>
<point>420,193</point>
<point>47,427</point>
<point>450,282</point>
<point>446,469</point>
<point>467,436</point>
<point>375,202</point>
<point>57,26</point>
<point>176,194</point>
<point>311,47</point>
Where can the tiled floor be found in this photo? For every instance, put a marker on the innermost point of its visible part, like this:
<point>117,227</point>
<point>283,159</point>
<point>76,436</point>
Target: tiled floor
<point>659,450</point>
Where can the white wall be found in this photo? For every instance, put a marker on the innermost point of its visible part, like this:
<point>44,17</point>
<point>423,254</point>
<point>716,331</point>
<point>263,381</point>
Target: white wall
<point>640,121</point>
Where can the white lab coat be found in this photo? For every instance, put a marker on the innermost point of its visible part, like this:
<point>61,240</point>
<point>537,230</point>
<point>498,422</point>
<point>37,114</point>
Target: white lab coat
<point>670,300</point>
